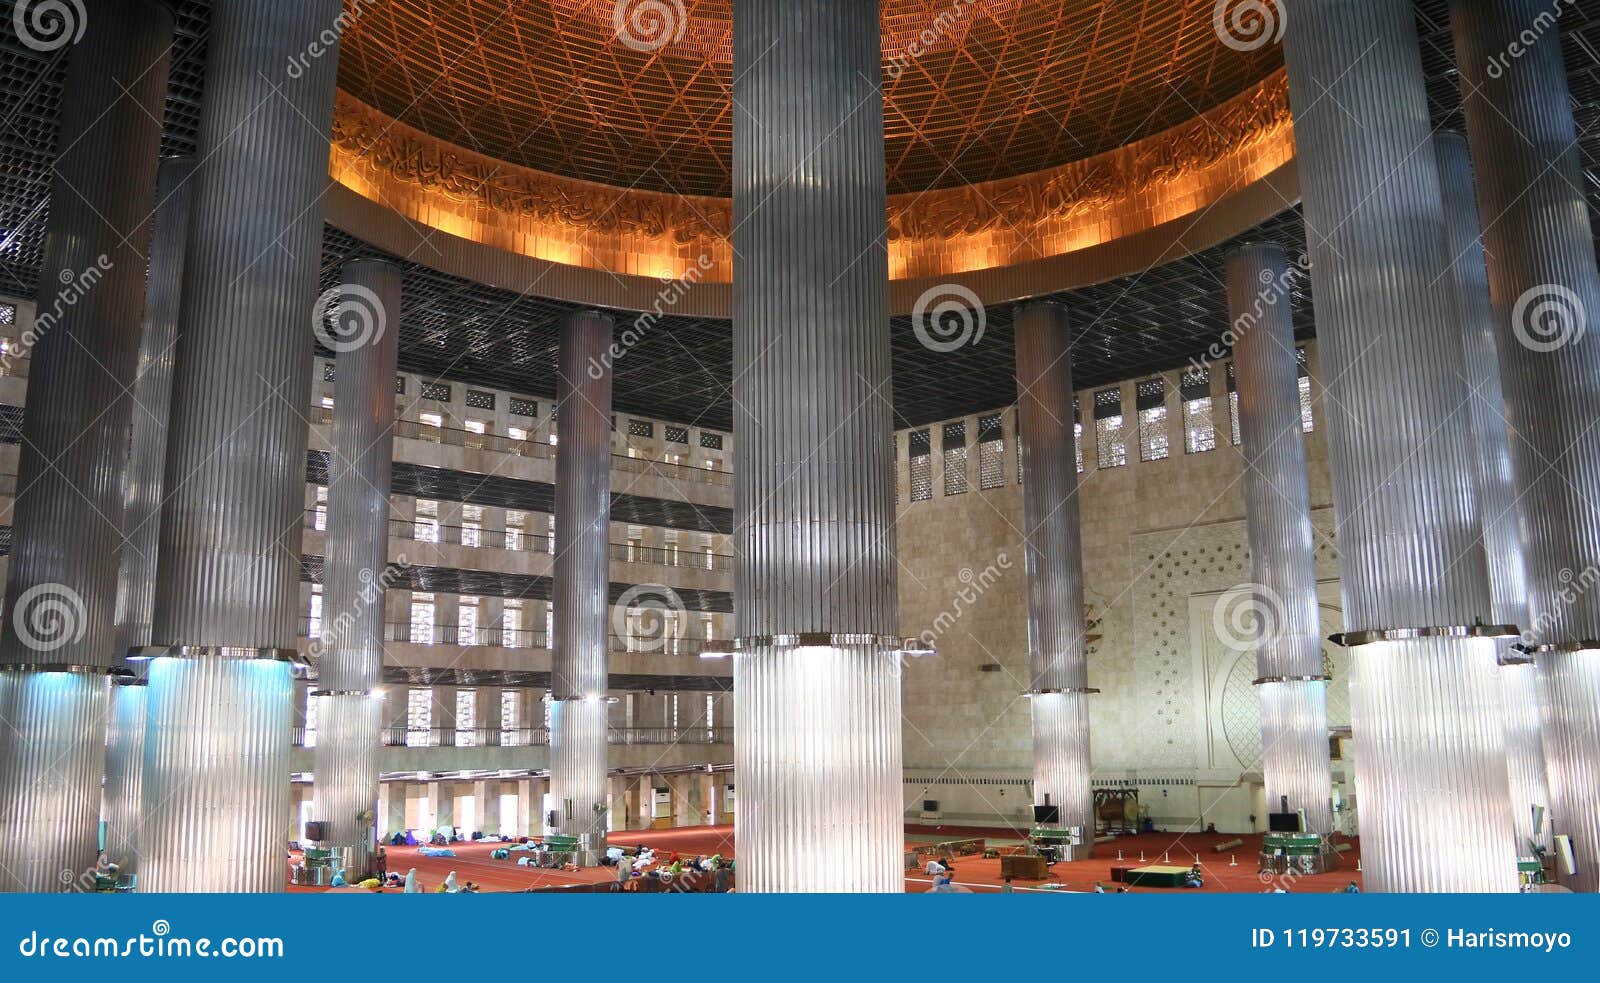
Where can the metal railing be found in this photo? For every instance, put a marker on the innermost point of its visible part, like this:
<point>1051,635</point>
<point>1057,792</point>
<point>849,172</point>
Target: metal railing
<point>542,449</point>
<point>449,736</point>
<point>489,636</point>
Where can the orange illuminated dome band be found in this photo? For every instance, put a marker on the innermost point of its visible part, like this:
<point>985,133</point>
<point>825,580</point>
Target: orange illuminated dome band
<point>970,233</point>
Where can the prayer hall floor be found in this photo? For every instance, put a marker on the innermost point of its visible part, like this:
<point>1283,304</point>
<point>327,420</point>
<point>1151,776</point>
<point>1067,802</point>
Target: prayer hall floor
<point>974,873</point>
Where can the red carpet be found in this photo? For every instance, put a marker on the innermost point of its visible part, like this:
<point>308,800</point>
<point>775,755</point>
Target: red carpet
<point>472,863</point>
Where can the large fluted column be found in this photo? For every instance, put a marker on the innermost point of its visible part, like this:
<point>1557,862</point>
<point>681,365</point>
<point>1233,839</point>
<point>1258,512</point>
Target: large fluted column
<point>1508,585</point>
<point>364,330</point>
<point>1425,708</point>
<point>582,581</point>
<point>1283,564</point>
<point>817,721</point>
<point>216,795</point>
<point>59,636</point>
<point>141,508</point>
<point>1057,651</point>
<point>1546,296</point>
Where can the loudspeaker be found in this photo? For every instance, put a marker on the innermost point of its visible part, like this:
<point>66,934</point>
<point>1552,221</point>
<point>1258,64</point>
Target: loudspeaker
<point>1569,863</point>
<point>317,831</point>
<point>552,819</point>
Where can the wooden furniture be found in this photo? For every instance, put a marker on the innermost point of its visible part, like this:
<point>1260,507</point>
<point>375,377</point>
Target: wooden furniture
<point>1024,867</point>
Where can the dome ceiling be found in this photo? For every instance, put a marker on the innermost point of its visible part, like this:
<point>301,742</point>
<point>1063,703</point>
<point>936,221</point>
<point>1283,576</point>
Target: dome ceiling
<point>974,91</point>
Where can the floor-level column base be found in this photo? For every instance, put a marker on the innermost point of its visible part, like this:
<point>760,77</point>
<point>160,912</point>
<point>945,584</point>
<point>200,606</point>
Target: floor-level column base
<point>216,777</point>
<point>1061,767</point>
<point>345,776</point>
<point>578,773</point>
<point>1431,767</point>
<point>51,760</point>
<point>1572,683</point>
<point>1294,750</point>
<point>817,751</point>
<point>1525,757</point>
<point>125,776</point>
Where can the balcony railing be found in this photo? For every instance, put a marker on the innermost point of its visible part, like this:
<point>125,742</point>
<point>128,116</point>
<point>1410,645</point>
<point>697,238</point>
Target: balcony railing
<point>530,447</point>
<point>517,638</point>
<point>528,736</point>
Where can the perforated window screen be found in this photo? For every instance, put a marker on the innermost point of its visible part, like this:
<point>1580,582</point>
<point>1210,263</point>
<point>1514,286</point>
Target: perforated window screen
<point>1307,422</point>
<point>327,372</point>
<point>641,428</point>
<point>8,314</point>
<point>955,458</point>
<point>711,441</point>
<point>436,390</point>
<point>1199,431</point>
<point>921,466</point>
<point>1111,438</point>
<point>991,452</point>
<point>478,399</point>
<point>524,407</point>
<point>1233,406</point>
<point>399,385</point>
<point>1151,398</point>
<point>676,435</point>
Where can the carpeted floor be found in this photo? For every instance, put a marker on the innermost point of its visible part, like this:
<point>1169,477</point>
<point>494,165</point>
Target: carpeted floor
<point>472,862</point>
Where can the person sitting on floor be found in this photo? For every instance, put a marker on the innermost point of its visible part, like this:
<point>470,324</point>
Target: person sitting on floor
<point>943,884</point>
<point>1352,888</point>
<point>469,888</point>
<point>1099,888</point>
<point>373,884</point>
<point>449,885</point>
<point>412,885</point>
<point>1193,878</point>
<point>624,870</point>
<point>338,879</point>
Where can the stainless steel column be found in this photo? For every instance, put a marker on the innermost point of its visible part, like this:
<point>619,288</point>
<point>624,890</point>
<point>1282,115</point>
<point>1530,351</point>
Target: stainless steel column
<point>1283,564</point>
<point>582,581</point>
<point>1426,711</point>
<point>1057,652</point>
<point>58,639</point>
<point>216,795</point>
<point>141,506</point>
<point>817,720</point>
<point>1546,295</point>
<point>1502,540</point>
<point>363,330</point>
